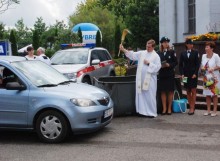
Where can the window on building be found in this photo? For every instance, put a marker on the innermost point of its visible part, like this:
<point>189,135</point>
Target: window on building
<point>192,16</point>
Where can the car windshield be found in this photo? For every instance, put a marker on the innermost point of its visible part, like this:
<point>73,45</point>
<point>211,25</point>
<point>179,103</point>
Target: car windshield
<point>70,57</point>
<point>39,73</point>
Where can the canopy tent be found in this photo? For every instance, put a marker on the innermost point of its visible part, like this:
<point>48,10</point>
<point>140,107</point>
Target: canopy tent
<point>24,49</point>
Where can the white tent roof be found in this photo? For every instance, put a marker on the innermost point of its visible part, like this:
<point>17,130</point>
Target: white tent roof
<point>23,49</point>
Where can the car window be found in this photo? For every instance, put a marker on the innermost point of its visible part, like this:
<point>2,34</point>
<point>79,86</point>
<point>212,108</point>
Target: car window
<point>94,55</point>
<point>40,73</point>
<point>102,55</point>
<point>70,57</point>
<point>7,76</point>
<point>106,55</point>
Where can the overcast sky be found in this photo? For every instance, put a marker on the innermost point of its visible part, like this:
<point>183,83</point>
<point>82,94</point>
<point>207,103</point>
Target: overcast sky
<point>49,10</point>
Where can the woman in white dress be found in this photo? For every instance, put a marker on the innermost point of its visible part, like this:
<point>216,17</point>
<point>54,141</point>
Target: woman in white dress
<point>30,55</point>
<point>210,66</point>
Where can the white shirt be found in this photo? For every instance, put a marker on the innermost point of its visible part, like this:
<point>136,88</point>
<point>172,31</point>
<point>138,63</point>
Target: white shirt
<point>30,58</point>
<point>44,59</point>
<point>188,53</point>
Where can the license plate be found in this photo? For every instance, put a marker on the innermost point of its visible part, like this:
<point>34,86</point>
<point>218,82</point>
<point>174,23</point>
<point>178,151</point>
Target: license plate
<point>108,112</point>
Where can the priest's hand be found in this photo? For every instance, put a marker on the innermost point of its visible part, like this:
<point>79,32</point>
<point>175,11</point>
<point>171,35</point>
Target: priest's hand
<point>121,47</point>
<point>146,62</point>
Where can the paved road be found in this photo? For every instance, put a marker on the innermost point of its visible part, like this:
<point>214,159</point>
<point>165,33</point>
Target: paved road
<point>178,137</point>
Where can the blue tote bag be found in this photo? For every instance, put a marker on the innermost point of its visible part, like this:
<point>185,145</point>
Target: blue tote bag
<point>179,105</point>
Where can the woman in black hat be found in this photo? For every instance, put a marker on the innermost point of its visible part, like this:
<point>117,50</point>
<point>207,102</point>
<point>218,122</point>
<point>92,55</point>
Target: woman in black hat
<point>189,64</point>
<point>166,75</point>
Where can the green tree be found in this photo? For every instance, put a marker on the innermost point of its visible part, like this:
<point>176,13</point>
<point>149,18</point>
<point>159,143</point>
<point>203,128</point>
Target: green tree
<point>23,34</point>
<point>103,18</point>
<point>87,6</point>
<point>40,26</point>
<point>20,28</point>
<point>48,38</point>
<point>2,30</point>
<point>117,39</point>
<point>6,34</point>
<point>65,37</point>
<point>118,7</point>
<point>60,25</point>
<point>36,41</point>
<point>104,3</point>
<point>142,22</point>
<point>98,39</point>
<point>13,41</point>
<point>79,33</point>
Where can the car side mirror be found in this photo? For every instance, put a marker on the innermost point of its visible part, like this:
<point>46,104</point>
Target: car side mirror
<point>95,61</point>
<point>15,86</point>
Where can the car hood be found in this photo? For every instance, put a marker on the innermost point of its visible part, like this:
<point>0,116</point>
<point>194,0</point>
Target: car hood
<point>69,68</point>
<point>77,90</point>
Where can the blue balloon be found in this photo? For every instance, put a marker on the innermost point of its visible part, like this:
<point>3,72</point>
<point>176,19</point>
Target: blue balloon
<point>85,27</point>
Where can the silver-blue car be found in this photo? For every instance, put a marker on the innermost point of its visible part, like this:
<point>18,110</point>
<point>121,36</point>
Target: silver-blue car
<point>35,96</point>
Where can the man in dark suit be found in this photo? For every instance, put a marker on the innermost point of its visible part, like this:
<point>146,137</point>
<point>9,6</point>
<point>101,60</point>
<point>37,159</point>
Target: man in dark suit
<point>189,64</point>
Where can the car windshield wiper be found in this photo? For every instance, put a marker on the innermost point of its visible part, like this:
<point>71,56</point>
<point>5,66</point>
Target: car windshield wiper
<point>47,85</point>
<point>54,64</point>
<point>65,82</point>
<point>68,63</point>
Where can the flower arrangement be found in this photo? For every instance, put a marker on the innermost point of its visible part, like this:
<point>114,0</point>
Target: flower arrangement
<point>120,66</point>
<point>210,82</point>
<point>205,37</point>
<point>209,79</point>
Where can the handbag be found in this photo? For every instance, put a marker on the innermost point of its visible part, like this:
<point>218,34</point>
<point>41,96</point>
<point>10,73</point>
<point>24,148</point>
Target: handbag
<point>179,105</point>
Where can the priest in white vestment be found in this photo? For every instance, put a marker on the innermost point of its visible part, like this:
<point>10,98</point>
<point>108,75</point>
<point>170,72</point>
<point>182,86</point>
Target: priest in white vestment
<point>146,78</point>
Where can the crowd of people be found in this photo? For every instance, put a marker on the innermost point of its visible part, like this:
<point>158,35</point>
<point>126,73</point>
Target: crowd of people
<point>161,65</point>
<point>153,66</point>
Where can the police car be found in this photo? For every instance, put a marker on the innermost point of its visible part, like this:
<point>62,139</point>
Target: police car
<point>82,64</point>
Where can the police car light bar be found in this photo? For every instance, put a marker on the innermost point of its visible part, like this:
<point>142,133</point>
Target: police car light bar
<point>84,45</point>
<point>73,45</point>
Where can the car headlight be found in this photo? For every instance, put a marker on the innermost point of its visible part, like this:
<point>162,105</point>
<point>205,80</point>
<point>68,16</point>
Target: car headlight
<point>83,102</point>
<point>71,75</point>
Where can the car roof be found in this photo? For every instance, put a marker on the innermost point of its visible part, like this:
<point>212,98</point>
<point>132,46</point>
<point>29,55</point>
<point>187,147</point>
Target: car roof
<point>82,49</point>
<point>11,59</point>
<point>76,49</point>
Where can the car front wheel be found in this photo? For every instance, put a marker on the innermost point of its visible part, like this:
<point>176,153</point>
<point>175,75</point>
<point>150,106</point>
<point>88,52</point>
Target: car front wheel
<point>52,127</point>
<point>86,80</point>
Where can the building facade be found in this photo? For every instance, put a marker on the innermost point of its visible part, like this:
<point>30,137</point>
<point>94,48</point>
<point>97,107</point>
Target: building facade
<point>179,19</point>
